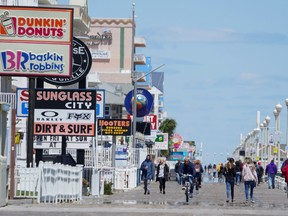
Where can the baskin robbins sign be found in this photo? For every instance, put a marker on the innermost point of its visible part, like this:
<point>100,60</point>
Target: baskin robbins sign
<point>36,41</point>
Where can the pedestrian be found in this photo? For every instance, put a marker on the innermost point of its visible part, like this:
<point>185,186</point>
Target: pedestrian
<point>271,171</point>
<point>238,169</point>
<point>220,171</point>
<point>176,170</point>
<point>229,173</point>
<point>259,171</point>
<point>214,171</point>
<point>147,168</point>
<point>199,171</point>
<point>189,169</point>
<point>249,177</point>
<point>205,168</point>
<point>162,174</point>
<point>284,170</point>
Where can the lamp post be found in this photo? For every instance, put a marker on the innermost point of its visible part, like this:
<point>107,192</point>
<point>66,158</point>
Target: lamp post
<point>278,107</point>
<point>267,120</point>
<point>256,140</point>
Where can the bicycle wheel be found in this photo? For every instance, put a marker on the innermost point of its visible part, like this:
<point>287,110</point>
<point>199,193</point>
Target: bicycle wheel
<point>187,195</point>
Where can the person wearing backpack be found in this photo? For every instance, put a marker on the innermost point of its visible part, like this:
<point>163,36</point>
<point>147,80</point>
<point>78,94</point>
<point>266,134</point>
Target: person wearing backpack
<point>260,172</point>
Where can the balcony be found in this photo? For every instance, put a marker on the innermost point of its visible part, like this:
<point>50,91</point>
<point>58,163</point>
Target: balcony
<point>81,19</point>
<point>139,59</point>
<point>47,2</point>
<point>139,42</point>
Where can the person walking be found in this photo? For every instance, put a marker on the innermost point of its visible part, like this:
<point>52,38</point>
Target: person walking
<point>229,173</point>
<point>199,171</point>
<point>238,169</point>
<point>259,171</point>
<point>147,168</point>
<point>271,171</point>
<point>177,170</point>
<point>249,177</point>
<point>162,175</point>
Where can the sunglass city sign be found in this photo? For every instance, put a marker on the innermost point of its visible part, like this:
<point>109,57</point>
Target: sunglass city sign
<point>36,41</point>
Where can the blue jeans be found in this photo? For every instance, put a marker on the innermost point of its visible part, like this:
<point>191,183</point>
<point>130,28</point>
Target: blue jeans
<point>178,178</point>
<point>251,185</point>
<point>271,180</point>
<point>230,188</point>
<point>191,179</point>
<point>238,177</point>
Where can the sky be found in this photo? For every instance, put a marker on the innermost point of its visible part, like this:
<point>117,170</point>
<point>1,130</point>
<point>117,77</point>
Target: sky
<point>224,61</point>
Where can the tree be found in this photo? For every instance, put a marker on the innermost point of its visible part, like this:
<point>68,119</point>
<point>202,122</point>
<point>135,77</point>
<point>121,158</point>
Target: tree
<point>168,126</point>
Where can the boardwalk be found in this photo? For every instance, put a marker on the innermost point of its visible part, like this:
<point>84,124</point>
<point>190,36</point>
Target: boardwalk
<point>210,199</point>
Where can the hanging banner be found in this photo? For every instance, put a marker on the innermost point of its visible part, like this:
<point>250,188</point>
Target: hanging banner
<point>144,102</point>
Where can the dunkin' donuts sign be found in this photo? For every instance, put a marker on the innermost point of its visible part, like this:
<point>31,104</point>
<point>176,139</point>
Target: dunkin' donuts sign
<point>64,112</point>
<point>36,41</point>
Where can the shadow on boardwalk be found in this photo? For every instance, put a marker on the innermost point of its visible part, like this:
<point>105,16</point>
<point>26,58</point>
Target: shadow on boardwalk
<point>209,200</point>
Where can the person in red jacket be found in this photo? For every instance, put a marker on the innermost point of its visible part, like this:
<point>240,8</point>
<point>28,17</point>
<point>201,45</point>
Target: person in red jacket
<point>284,170</point>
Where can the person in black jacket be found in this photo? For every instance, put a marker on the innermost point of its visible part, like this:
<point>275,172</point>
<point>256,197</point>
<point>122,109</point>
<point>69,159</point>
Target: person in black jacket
<point>188,168</point>
<point>229,173</point>
<point>177,170</point>
<point>162,175</point>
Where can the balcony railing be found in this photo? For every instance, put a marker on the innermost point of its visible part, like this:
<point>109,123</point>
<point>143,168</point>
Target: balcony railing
<point>9,98</point>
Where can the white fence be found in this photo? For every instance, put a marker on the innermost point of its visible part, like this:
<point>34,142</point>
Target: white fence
<point>125,178</point>
<point>3,182</point>
<point>280,183</point>
<point>49,183</point>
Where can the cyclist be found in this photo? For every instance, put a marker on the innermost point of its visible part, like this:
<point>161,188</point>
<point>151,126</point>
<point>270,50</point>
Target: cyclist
<point>188,168</point>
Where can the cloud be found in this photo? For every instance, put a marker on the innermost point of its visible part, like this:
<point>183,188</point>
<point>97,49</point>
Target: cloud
<point>188,35</point>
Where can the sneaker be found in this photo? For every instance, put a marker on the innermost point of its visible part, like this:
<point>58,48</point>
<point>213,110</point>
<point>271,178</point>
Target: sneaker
<point>246,201</point>
<point>252,201</point>
<point>183,188</point>
<point>163,192</point>
<point>227,201</point>
<point>148,192</point>
<point>191,195</point>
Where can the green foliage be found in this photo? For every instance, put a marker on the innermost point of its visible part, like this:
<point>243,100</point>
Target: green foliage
<point>168,126</point>
<point>108,188</point>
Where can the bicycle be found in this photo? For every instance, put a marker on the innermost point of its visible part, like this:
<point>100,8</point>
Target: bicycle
<point>187,185</point>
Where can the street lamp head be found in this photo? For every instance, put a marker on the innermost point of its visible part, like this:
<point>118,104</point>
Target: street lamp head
<point>278,107</point>
<point>256,130</point>
<point>261,125</point>
<point>267,120</point>
<point>286,101</point>
<point>275,112</point>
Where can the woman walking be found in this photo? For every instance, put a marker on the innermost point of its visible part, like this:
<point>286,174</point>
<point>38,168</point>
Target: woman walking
<point>147,168</point>
<point>162,175</point>
<point>230,173</point>
<point>249,177</point>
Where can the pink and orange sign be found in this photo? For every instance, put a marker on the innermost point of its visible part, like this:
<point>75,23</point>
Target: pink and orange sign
<point>36,41</point>
<point>177,140</point>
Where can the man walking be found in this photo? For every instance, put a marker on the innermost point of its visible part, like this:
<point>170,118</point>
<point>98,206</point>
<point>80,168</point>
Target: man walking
<point>271,171</point>
<point>147,168</point>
